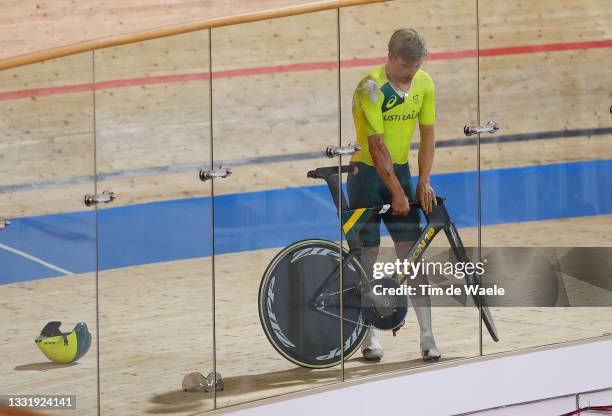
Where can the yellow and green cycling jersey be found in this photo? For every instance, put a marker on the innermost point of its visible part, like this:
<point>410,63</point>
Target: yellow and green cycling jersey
<point>379,109</point>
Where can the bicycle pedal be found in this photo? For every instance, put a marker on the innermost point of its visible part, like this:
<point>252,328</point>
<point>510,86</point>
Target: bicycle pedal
<point>396,329</point>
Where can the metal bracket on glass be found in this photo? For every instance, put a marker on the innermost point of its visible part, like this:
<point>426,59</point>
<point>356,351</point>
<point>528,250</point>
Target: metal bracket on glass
<point>220,172</point>
<point>4,222</point>
<point>332,151</point>
<point>104,198</point>
<point>490,127</point>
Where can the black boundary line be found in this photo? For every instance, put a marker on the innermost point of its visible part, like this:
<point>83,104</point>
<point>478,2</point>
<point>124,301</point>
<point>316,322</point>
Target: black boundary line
<point>441,144</point>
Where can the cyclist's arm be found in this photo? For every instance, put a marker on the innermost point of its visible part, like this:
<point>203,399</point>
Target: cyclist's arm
<point>384,167</point>
<point>425,193</point>
<point>427,118</point>
<point>369,97</point>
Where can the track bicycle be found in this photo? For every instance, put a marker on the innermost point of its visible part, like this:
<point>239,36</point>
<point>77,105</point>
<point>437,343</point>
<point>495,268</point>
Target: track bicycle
<point>301,303</point>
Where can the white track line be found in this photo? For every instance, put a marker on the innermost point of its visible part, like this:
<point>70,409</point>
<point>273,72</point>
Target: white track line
<point>36,260</point>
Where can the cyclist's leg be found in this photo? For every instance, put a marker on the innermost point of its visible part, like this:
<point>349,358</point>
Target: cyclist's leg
<point>364,191</point>
<point>405,231</point>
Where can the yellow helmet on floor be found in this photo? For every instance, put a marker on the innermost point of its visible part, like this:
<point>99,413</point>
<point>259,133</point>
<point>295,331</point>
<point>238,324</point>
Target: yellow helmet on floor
<point>64,347</point>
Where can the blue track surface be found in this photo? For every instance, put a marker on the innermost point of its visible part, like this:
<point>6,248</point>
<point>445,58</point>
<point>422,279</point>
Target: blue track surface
<point>181,229</point>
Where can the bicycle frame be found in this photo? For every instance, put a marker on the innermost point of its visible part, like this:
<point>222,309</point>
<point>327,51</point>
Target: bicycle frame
<point>437,220</point>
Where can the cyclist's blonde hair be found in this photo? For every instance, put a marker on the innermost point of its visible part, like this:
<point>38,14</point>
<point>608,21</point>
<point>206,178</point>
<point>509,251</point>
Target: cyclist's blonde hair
<point>407,44</point>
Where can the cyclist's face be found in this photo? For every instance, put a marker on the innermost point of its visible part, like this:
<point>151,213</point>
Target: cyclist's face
<point>402,70</point>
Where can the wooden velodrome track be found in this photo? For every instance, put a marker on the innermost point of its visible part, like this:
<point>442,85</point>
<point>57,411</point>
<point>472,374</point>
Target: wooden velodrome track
<point>156,319</point>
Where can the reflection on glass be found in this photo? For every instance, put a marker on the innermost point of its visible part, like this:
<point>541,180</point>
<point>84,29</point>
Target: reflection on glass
<point>394,99</point>
<point>274,112</point>
<point>155,248</point>
<point>47,252</point>
<point>546,173</point>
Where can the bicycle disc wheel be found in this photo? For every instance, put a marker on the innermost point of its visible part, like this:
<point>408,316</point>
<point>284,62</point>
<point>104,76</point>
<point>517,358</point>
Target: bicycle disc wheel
<point>303,331</point>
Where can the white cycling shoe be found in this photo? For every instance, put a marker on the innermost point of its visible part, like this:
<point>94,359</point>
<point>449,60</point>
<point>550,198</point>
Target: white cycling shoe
<point>429,351</point>
<point>371,348</point>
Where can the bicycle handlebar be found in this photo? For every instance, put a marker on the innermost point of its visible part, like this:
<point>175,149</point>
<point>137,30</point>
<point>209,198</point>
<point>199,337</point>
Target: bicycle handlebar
<point>381,209</point>
<point>328,171</point>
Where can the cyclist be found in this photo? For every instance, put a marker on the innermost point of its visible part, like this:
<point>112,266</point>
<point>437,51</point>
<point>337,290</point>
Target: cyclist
<point>386,106</point>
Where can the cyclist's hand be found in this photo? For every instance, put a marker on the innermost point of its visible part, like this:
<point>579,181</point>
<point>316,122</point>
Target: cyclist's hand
<point>426,196</point>
<point>399,204</point>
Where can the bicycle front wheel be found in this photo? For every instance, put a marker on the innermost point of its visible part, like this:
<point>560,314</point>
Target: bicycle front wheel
<point>299,304</point>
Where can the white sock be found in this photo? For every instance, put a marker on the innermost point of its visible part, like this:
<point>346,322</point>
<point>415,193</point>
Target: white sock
<point>422,309</point>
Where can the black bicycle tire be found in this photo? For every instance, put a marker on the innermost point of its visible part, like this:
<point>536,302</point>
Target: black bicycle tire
<point>261,304</point>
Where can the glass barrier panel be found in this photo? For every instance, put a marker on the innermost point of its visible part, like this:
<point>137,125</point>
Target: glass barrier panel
<point>47,234</point>
<point>275,111</point>
<point>546,187</point>
<point>155,238</point>
<point>397,100</point>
